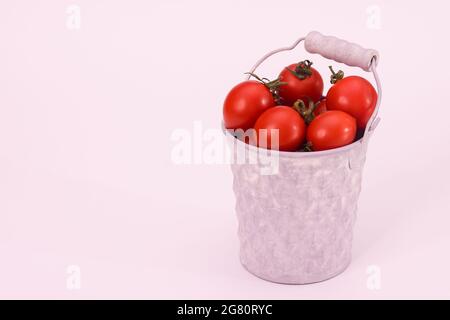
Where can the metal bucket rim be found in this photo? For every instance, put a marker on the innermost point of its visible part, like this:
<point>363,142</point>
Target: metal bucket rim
<point>296,154</point>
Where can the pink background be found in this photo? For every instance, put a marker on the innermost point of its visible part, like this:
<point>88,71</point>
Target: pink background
<point>86,117</point>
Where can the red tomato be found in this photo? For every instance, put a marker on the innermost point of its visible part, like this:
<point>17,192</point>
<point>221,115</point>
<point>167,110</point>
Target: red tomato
<point>354,95</point>
<point>331,129</point>
<point>291,126</point>
<point>245,103</point>
<point>321,107</point>
<point>301,81</point>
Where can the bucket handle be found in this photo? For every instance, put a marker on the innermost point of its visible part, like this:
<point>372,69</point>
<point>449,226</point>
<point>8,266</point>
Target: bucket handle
<point>342,51</point>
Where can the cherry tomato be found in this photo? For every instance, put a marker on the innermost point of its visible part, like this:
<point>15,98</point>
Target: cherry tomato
<point>331,129</point>
<point>321,107</point>
<point>354,95</point>
<point>245,103</point>
<point>301,81</point>
<point>291,126</point>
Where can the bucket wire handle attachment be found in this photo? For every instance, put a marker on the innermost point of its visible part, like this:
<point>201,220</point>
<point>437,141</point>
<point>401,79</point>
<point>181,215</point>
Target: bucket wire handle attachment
<point>342,51</point>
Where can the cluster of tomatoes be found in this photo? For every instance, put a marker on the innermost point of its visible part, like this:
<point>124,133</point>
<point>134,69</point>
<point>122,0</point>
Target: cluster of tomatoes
<point>295,105</point>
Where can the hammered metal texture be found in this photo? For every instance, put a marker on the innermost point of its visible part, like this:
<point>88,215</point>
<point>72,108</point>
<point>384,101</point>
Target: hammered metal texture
<point>295,227</point>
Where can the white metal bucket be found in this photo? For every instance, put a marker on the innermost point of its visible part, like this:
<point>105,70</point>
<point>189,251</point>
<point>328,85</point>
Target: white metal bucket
<point>296,222</point>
